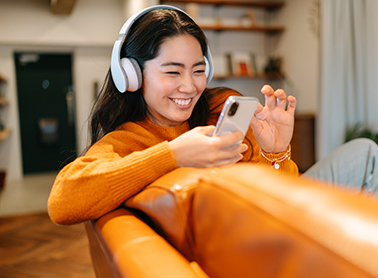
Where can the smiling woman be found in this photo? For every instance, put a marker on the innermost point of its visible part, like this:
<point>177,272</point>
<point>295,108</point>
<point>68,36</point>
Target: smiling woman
<point>155,114</point>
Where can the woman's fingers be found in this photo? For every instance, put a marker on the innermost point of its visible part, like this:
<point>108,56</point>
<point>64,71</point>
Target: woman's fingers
<point>281,98</point>
<point>198,148</point>
<point>270,100</point>
<point>273,98</point>
<point>231,139</point>
<point>230,155</point>
<point>292,105</point>
<point>278,99</point>
<point>206,130</point>
<point>228,149</point>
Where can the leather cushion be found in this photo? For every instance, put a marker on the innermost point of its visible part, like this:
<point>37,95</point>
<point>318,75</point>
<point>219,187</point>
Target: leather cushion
<point>249,221</point>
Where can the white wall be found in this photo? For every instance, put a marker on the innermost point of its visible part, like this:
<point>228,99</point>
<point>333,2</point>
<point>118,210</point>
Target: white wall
<point>89,32</point>
<point>372,53</point>
<point>31,23</point>
<point>299,46</point>
<point>90,66</point>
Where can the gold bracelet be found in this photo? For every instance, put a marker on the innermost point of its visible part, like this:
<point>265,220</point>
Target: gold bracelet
<point>274,161</point>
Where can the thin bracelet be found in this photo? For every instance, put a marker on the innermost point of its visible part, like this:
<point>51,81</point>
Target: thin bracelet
<point>274,161</point>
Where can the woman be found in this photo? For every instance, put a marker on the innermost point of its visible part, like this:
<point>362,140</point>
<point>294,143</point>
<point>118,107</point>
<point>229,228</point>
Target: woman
<point>166,123</point>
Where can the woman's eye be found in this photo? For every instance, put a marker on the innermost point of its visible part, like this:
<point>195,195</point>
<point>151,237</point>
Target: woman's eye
<point>199,71</point>
<point>172,72</point>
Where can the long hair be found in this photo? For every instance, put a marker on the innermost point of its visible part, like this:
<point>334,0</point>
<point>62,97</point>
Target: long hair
<point>142,43</point>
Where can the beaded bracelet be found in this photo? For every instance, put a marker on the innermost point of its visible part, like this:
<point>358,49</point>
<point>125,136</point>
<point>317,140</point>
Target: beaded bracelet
<point>274,161</point>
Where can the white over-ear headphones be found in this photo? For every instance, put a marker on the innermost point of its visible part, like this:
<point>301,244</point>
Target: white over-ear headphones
<point>126,72</point>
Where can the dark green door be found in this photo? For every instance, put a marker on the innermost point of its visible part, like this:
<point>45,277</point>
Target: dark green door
<point>46,110</point>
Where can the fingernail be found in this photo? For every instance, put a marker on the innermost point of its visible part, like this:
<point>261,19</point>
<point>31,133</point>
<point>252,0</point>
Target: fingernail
<point>240,157</point>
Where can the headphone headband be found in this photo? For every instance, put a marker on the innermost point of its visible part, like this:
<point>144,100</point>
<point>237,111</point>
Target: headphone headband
<point>127,74</point>
<point>127,25</point>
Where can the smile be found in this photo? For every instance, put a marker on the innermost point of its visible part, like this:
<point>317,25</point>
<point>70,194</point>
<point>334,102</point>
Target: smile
<point>182,102</point>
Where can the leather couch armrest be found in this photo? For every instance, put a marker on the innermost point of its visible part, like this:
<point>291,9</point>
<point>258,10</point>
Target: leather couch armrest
<point>122,245</point>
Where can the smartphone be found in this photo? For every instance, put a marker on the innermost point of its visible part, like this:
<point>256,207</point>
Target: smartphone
<point>236,115</point>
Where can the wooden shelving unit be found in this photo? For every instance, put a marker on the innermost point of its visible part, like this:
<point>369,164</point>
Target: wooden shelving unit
<point>218,26</point>
<point>269,6</point>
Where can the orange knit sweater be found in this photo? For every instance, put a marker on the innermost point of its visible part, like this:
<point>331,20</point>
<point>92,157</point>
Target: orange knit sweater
<point>122,163</point>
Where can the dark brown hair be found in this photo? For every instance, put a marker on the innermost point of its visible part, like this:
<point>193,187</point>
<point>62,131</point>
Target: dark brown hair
<point>142,43</point>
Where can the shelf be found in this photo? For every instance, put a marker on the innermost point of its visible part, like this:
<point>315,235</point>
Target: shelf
<point>4,134</point>
<point>254,4</point>
<point>218,24</point>
<point>266,29</point>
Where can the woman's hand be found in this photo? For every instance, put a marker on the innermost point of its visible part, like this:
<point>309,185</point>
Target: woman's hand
<point>273,124</point>
<point>197,148</point>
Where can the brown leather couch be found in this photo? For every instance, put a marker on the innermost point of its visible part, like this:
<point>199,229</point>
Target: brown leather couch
<point>238,221</point>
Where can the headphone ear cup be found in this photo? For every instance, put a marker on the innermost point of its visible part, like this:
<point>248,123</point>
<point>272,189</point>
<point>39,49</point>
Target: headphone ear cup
<point>133,74</point>
<point>207,67</point>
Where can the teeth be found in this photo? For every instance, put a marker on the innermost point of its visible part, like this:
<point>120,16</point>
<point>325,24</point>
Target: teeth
<point>182,101</point>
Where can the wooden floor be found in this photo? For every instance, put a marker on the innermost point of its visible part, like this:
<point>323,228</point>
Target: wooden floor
<point>32,246</point>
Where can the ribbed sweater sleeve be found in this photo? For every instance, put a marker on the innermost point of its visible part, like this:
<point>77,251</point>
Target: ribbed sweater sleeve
<point>106,176</point>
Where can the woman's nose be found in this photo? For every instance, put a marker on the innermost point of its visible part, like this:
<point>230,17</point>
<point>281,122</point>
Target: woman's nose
<point>187,84</point>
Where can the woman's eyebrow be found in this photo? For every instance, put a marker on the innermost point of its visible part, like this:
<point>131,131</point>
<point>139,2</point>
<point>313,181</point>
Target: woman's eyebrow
<point>200,63</point>
<point>172,64</point>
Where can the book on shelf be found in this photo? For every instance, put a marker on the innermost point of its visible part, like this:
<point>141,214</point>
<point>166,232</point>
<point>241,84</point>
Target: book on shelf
<point>241,63</point>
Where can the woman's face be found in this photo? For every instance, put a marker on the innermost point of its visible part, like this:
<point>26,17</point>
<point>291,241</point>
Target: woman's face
<point>174,81</point>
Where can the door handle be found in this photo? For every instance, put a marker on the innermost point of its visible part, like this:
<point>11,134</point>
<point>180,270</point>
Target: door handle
<point>70,107</point>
